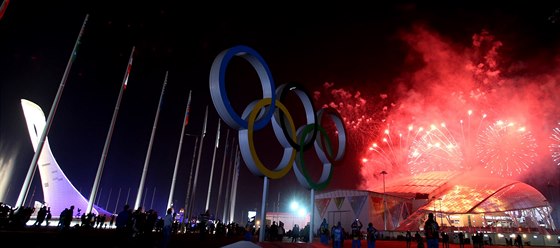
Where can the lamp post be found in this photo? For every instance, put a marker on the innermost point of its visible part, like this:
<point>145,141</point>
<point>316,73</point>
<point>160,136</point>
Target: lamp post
<point>384,202</point>
<point>440,212</point>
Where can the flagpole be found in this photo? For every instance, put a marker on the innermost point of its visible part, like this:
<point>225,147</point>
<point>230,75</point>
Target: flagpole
<point>32,195</point>
<point>144,201</point>
<point>99,197</point>
<point>108,199</point>
<point>127,196</point>
<point>109,134</point>
<point>234,185</point>
<point>31,171</point>
<point>200,146</point>
<point>228,192</point>
<point>187,197</point>
<point>173,180</point>
<point>212,168</point>
<point>153,195</point>
<point>147,162</point>
<point>117,202</point>
<point>222,174</point>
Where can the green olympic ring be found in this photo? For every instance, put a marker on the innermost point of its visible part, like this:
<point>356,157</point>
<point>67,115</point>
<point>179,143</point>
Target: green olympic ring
<point>326,158</point>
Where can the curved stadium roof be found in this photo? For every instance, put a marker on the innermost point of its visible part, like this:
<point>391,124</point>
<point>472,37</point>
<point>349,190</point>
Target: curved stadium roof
<point>463,193</point>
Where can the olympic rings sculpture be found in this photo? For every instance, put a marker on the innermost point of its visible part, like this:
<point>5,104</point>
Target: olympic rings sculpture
<point>260,112</point>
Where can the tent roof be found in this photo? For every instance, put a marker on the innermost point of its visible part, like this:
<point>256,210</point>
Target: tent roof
<point>455,192</point>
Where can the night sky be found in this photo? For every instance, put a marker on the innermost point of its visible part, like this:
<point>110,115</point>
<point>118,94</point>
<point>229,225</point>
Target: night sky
<point>354,47</point>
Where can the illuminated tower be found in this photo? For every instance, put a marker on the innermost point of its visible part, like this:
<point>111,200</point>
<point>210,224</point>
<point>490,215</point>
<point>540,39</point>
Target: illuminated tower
<point>58,191</point>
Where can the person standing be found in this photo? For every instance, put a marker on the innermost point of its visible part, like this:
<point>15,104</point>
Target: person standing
<point>445,239</point>
<point>408,238</point>
<point>419,240</point>
<point>324,231</point>
<point>371,235</point>
<point>202,225</point>
<point>41,215</point>
<point>338,236</point>
<point>519,241</point>
<point>461,240</point>
<point>356,234</point>
<point>167,226</point>
<point>48,217</point>
<point>295,233</point>
<point>431,230</point>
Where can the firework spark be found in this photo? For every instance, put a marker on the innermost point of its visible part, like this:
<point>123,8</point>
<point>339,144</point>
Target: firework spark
<point>390,153</point>
<point>362,115</point>
<point>435,150</point>
<point>505,148</point>
<point>555,146</point>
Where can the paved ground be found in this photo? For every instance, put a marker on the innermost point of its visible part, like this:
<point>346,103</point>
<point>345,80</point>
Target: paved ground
<point>379,244</point>
<point>43,237</point>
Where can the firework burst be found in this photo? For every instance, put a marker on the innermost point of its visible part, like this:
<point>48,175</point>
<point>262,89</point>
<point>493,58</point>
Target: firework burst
<point>555,146</point>
<point>362,116</point>
<point>506,149</point>
<point>435,150</point>
<point>389,153</point>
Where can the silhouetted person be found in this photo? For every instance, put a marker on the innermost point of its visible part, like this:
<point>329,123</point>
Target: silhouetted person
<point>167,225</point>
<point>408,238</point>
<point>518,241</point>
<point>445,239</point>
<point>356,233</point>
<point>371,235</point>
<point>419,240</point>
<point>66,218</point>
<point>461,240</point>
<point>324,231</point>
<point>41,215</point>
<point>338,235</point>
<point>295,233</point>
<point>204,218</point>
<point>48,217</point>
<point>431,230</point>
<point>123,224</point>
<point>273,231</point>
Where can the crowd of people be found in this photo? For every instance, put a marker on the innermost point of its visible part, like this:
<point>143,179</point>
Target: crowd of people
<point>137,223</point>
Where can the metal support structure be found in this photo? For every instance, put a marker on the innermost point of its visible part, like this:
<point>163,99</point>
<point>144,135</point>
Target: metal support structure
<point>263,210</point>
<point>384,202</point>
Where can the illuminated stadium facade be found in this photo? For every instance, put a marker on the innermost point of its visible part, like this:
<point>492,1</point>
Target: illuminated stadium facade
<point>58,191</point>
<point>463,201</point>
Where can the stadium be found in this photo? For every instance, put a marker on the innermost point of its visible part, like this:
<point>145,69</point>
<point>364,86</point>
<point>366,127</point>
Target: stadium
<point>461,202</point>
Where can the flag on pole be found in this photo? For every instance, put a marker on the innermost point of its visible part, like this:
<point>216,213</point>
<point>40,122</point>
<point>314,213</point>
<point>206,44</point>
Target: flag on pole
<point>188,109</point>
<point>128,68</point>
<point>3,8</point>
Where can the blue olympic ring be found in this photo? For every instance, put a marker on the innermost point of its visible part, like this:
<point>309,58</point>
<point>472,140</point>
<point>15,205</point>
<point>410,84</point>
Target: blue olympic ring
<point>218,89</point>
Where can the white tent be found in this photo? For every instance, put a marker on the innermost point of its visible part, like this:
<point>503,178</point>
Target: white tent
<point>345,206</point>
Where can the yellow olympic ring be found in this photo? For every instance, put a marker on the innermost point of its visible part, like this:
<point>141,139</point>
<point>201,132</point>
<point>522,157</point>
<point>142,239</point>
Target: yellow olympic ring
<point>246,139</point>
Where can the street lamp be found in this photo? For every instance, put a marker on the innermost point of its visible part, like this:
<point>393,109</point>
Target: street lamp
<point>384,202</point>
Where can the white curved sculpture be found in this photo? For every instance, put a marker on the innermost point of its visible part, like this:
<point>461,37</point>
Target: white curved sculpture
<point>58,191</point>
